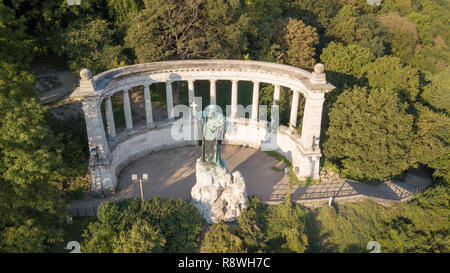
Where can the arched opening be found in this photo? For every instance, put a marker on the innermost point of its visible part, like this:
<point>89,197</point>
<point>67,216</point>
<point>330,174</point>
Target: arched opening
<point>137,104</point>
<point>159,103</point>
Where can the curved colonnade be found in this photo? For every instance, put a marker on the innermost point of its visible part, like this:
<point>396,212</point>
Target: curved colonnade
<point>110,152</point>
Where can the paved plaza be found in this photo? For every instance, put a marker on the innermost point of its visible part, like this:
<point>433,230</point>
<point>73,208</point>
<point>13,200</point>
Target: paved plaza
<point>172,174</point>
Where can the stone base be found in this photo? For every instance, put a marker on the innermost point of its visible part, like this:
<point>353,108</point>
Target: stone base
<point>103,183</point>
<point>217,194</point>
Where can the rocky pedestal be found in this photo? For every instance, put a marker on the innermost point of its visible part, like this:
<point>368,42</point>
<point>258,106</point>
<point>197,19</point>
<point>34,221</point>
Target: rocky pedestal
<point>218,195</point>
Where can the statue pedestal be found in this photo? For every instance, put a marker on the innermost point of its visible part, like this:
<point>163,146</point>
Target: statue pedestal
<point>217,194</point>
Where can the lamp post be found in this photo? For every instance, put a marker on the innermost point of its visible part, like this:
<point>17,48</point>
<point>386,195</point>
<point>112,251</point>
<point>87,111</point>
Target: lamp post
<point>134,178</point>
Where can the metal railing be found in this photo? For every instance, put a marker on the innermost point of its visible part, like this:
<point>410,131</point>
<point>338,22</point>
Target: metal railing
<point>276,197</point>
<point>89,211</point>
<point>303,196</point>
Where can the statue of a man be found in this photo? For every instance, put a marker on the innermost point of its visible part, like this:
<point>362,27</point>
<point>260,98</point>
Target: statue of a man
<point>214,126</point>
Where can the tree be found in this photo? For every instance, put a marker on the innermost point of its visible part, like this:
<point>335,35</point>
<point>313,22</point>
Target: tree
<point>371,34</point>
<point>404,7</point>
<point>389,73</point>
<point>276,228</point>
<point>437,91</point>
<point>316,13</point>
<point>285,228</point>
<point>404,37</point>
<point>31,205</point>
<point>265,18</point>
<point>141,238</point>
<point>431,146</point>
<point>369,133</point>
<point>167,225</point>
<point>91,44</point>
<point>15,44</point>
<point>343,25</point>
<point>426,29</point>
<point>419,225</point>
<point>349,27</point>
<point>121,12</point>
<point>15,84</point>
<point>346,64</point>
<point>222,238</point>
<point>349,227</point>
<point>227,25</point>
<point>300,40</point>
<point>46,20</point>
<point>187,29</point>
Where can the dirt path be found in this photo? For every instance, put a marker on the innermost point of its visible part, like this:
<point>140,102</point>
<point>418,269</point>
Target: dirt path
<point>54,85</point>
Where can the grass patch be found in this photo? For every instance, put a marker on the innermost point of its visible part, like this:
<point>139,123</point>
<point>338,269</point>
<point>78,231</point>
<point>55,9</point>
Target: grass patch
<point>293,179</point>
<point>73,232</point>
<point>274,168</point>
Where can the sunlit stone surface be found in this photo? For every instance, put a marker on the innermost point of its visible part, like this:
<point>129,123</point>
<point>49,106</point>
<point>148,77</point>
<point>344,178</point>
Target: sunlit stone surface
<point>217,194</point>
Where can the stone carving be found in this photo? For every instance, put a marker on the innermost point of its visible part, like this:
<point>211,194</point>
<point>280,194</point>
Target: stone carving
<point>85,74</point>
<point>218,195</point>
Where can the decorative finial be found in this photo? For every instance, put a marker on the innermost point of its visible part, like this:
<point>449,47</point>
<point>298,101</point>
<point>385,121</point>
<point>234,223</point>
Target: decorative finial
<point>318,77</point>
<point>319,68</point>
<point>85,74</point>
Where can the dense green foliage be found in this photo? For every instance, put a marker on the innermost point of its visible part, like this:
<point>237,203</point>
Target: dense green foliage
<point>432,144</point>
<point>261,228</point>
<point>31,171</point>
<point>300,42</point>
<point>192,29</point>
<point>154,225</point>
<point>420,225</point>
<point>91,44</point>
<point>370,133</point>
<point>222,238</point>
<point>390,110</point>
<point>346,62</point>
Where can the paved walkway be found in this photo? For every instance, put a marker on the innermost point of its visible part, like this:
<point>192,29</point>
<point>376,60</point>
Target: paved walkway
<point>66,82</point>
<point>172,174</point>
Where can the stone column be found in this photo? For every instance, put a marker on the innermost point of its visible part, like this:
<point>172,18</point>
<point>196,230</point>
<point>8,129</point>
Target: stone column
<point>234,98</point>
<point>191,93</point>
<point>255,101</point>
<point>294,109</point>
<point>212,91</point>
<point>276,106</point>
<point>148,105</point>
<point>99,164</point>
<point>312,116</point>
<point>312,119</point>
<point>127,110</point>
<point>169,99</point>
<point>276,95</point>
<point>95,130</point>
<point>110,117</point>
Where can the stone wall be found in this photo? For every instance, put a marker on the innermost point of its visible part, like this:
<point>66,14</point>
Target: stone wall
<point>145,141</point>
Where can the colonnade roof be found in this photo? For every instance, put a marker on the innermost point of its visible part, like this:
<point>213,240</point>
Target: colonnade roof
<point>215,67</point>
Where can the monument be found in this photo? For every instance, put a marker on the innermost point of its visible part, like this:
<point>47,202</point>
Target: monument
<point>217,194</point>
<point>112,148</point>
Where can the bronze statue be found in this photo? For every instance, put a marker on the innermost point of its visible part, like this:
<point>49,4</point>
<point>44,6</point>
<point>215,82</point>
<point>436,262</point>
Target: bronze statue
<point>214,125</point>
